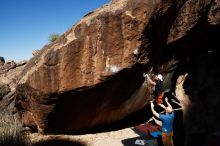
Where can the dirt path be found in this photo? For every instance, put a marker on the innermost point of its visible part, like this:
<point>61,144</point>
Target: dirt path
<point>113,138</point>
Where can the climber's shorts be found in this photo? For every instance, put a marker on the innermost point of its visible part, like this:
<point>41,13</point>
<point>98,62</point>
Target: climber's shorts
<point>167,139</point>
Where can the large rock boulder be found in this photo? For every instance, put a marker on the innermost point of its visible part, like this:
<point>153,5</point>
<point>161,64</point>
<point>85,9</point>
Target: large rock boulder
<point>92,75</point>
<point>4,90</point>
<point>198,92</point>
<point>9,73</point>
<point>4,68</point>
<point>10,125</point>
<point>8,81</point>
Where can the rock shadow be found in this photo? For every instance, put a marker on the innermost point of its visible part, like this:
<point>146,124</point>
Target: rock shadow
<point>59,142</point>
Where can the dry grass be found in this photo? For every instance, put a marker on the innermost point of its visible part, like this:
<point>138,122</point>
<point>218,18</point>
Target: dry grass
<point>10,131</point>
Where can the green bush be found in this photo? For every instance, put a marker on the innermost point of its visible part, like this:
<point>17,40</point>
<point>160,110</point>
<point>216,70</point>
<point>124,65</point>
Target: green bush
<point>54,36</point>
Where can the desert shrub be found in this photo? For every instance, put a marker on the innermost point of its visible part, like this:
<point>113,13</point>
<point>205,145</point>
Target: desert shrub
<point>53,37</point>
<point>10,131</point>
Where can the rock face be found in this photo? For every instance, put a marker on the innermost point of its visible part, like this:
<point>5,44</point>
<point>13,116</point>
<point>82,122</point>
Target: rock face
<point>9,72</point>
<point>4,90</point>
<point>5,67</point>
<point>8,77</point>
<point>10,125</point>
<point>92,75</point>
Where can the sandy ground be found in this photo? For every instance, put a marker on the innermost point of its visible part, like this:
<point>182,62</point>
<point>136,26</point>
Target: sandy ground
<point>113,138</point>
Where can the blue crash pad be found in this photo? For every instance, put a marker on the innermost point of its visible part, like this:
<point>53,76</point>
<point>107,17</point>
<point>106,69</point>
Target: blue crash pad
<point>156,134</point>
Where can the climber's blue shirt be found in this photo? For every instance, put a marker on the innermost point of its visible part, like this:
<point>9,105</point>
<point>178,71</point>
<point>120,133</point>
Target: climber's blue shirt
<point>167,122</point>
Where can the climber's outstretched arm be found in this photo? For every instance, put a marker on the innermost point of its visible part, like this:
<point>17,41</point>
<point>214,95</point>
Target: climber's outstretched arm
<point>150,80</point>
<point>169,105</point>
<point>152,109</point>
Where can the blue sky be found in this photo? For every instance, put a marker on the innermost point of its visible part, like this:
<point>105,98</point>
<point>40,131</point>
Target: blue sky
<point>26,24</point>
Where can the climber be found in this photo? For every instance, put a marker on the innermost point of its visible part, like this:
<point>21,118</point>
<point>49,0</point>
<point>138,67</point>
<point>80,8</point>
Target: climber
<point>158,83</point>
<point>167,122</point>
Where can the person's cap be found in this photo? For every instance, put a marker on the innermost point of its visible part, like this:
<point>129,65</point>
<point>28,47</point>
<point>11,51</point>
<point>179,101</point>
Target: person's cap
<point>160,77</point>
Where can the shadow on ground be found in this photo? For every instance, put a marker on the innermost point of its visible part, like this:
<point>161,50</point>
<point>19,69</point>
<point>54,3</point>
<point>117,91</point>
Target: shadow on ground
<point>58,143</point>
<point>142,140</point>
